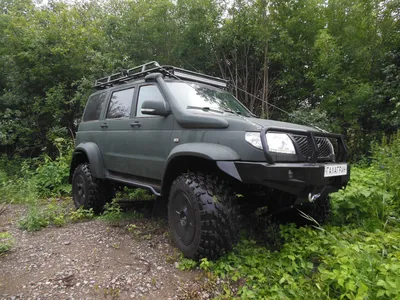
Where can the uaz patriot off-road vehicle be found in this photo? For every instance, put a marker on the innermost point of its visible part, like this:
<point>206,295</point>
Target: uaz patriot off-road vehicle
<point>185,138</point>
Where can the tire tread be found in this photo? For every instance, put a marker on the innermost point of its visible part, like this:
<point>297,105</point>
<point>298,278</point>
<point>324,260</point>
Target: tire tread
<point>219,214</point>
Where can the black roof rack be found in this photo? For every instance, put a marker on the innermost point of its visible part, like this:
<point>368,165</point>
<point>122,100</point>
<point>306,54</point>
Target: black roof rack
<point>153,67</point>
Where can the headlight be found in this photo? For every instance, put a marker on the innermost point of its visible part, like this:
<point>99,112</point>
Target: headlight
<point>254,139</point>
<point>277,142</point>
<point>280,142</point>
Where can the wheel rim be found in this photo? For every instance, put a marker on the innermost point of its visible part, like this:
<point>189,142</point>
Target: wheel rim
<point>79,190</point>
<point>183,219</point>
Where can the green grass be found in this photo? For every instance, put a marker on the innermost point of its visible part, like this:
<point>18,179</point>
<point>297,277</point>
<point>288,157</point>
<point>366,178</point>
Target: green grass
<point>54,211</point>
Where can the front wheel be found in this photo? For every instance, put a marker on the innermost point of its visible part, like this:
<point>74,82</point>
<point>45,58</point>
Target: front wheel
<point>202,216</point>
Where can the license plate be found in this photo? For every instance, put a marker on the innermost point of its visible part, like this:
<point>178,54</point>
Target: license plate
<point>335,170</point>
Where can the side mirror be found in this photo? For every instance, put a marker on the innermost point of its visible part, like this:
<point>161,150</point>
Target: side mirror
<point>155,108</point>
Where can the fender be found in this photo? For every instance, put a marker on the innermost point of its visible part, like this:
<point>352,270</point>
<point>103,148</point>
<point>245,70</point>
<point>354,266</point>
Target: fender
<point>212,152</point>
<point>94,156</point>
<point>203,150</point>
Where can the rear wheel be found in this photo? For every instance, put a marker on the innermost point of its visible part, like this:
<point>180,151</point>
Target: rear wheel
<point>89,192</point>
<point>202,215</point>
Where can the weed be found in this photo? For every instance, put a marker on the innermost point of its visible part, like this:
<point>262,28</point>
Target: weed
<point>136,194</point>
<point>153,281</point>
<point>34,220</point>
<point>187,264</point>
<point>81,214</point>
<point>59,220</point>
<point>205,264</point>
<point>116,245</point>
<point>133,215</point>
<point>145,230</point>
<point>55,212</point>
<point>6,242</point>
<point>112,213</point>
<point>174,257</point>
<point>112,292</point>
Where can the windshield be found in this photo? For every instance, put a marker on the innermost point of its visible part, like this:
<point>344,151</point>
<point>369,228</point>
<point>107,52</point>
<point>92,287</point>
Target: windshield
<point>196,96</point>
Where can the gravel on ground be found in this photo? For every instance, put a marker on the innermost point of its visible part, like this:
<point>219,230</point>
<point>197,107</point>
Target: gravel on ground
<point>94,260</point>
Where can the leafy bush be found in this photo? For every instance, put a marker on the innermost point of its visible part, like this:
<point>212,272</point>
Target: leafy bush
<point>386,157</point>
<point>365,201</point>
<point>44,176</point>
<point>14,188</point>
<point>372,198</point>
<point>51,176</point>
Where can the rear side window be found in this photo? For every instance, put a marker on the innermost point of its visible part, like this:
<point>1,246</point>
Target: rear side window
<point>94,107</point>
<point>120,104</point>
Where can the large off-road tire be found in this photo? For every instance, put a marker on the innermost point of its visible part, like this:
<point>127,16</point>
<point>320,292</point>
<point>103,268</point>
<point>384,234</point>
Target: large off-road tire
<point>89,192</point>
<point>203,216</point>
<point>320,211</point>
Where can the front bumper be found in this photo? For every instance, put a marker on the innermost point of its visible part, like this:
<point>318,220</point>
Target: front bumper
<point>298,179</point>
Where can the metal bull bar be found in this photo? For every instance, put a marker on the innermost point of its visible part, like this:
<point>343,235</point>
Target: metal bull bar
<point>341,156</point>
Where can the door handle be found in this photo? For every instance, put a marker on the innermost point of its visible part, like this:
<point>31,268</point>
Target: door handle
<point>136,124</point>
<point>104,125</point>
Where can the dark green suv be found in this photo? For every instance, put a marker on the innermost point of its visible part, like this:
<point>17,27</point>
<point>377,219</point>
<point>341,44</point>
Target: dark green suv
<point>185,138</point>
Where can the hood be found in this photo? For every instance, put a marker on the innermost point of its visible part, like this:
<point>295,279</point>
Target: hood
<point>271,123</point>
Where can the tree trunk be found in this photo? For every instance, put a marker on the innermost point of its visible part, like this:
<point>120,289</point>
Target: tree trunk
<point>264,105</point>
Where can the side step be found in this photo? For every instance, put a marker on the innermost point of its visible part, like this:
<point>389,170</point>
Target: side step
<point>134,182</point>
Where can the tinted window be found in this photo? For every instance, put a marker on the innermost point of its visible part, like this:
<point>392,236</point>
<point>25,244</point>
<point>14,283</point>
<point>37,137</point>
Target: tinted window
<point>93,107</point>
<point>147,92</point>
<point>120,104</point>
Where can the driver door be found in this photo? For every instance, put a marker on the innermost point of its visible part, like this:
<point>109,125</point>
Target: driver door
<point>152,137</point>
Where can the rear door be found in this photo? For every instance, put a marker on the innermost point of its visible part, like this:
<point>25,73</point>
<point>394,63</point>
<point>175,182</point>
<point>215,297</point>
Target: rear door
<point>89,128</point>
<point>116,137</point>
<point>152,137</point>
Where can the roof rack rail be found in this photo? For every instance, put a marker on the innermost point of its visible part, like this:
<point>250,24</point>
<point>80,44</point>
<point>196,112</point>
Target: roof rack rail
<point>153,67</point>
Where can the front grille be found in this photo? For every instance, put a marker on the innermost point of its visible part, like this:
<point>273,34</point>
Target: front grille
<point>324,146</point>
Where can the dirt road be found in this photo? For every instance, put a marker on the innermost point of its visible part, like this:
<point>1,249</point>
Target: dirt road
<point>93,260</point>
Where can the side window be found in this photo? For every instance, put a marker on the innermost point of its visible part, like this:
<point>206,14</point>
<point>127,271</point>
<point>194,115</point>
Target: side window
<point>147,92</point>
<point>120,104</point>
<point>94,107</point>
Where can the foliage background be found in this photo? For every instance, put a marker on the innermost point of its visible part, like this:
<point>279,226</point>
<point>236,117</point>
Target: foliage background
<point>334,63</point>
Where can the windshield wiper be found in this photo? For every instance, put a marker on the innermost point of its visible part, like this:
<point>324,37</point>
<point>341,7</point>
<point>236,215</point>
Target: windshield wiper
<point>205,108</point>
<point>236,112</point>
